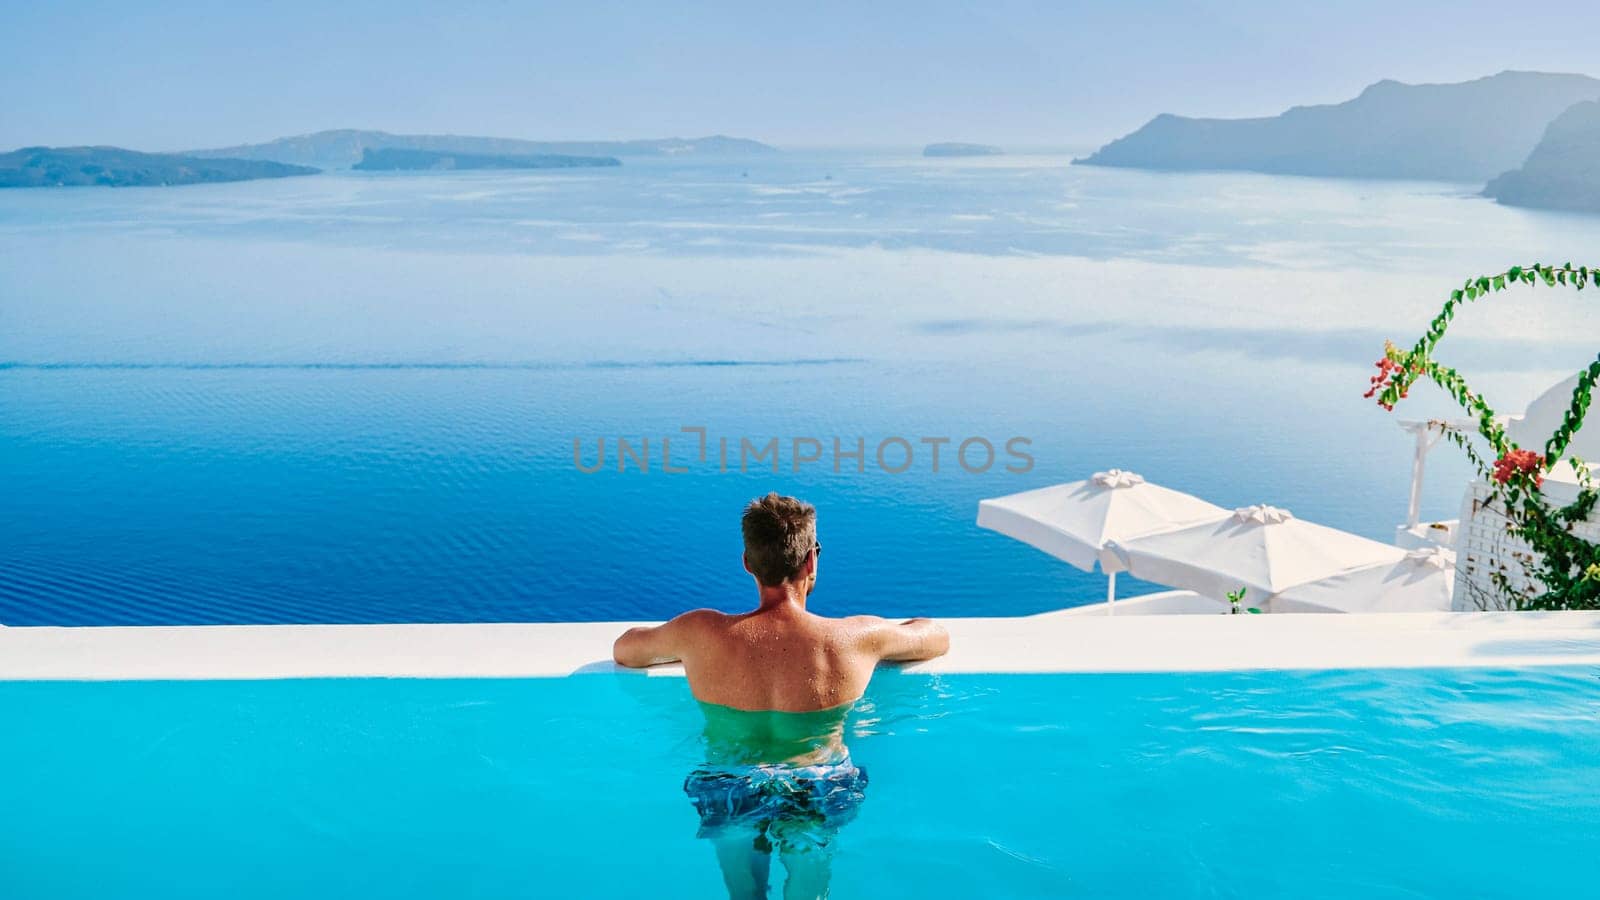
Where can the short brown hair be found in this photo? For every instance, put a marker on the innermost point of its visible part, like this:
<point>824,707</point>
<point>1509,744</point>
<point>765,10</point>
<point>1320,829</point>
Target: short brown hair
<point>779,533</point>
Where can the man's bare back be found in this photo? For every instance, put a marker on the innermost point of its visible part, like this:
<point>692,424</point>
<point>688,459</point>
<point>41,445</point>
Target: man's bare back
<point>779,657</point>
<point>776,684</point>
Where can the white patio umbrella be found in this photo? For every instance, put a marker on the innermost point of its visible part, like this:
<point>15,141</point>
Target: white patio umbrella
<point>1262,549</point>
<point>1076,521</point>
<point>1422,581</point>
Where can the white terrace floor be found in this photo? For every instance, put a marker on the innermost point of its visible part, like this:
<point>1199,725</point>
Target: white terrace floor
<point>1051,642</point>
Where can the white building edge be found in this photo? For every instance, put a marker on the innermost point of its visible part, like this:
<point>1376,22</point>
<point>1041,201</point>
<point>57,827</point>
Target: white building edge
<point>1478,536</point>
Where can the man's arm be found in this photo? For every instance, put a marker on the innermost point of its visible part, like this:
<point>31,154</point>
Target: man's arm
<point>648,645</point>
<point>908,641</point>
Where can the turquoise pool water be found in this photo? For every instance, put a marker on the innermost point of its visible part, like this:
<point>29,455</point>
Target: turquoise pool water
<point>1339,784</point>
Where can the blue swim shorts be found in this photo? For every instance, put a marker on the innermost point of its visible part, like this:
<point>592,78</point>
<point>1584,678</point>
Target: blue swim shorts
<point>794,807</point>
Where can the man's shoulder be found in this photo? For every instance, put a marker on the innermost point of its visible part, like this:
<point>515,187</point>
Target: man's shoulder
<point>857,628</point>
<point>699,617</point>
<point>872,634</point>
<point>862,621</point>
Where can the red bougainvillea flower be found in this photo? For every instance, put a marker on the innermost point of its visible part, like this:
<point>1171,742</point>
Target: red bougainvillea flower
<point>1380,382</point>
<point>1524,461</point>
<point>1389,372</point>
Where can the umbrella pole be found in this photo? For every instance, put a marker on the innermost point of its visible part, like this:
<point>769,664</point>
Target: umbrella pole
<point>1111,594</point>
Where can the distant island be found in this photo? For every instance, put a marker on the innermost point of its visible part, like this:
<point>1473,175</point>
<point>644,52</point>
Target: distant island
<point>396,159</point>
<point>1470,131</point>
<point>953,149</point>
<point>344,148</point>
<point>116,167</point>
<point>1563,171</point>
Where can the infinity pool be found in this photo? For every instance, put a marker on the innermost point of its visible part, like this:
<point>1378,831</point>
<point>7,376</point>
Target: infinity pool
<point>1424,783</point>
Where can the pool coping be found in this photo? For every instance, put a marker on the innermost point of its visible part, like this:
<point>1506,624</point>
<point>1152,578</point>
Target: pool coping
<point>1045,643</point>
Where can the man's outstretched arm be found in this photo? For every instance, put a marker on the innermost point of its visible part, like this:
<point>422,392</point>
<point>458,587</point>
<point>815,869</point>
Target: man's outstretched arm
<point>908,641</point>
<point>653,645</point>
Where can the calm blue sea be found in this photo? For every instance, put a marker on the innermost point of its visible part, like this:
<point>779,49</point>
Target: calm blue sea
<point>354,397</point>
<point>1399,784</point>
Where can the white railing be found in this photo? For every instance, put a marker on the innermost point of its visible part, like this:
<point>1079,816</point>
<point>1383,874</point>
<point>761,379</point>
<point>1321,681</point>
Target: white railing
<point>1485,548</point>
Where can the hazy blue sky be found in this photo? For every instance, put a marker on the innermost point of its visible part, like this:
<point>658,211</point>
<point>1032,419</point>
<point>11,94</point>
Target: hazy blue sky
<point>172,75</point>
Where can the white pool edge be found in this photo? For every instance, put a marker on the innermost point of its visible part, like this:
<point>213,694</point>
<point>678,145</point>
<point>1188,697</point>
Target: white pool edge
<point>1033,644</point>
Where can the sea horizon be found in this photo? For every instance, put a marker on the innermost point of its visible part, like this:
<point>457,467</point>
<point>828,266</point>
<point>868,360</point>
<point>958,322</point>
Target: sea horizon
<point>354,397</point>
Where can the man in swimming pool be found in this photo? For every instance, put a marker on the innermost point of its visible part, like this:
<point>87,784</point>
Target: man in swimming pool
<point>776,684</point>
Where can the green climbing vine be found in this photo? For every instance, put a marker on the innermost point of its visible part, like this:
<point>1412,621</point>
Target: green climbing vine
<point>1563,568</point>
